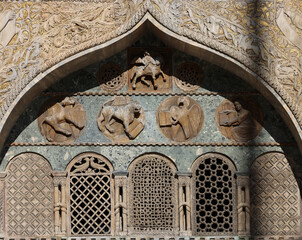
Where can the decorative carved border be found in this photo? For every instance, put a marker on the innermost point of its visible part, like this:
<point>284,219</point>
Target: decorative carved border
<point>219,144</point>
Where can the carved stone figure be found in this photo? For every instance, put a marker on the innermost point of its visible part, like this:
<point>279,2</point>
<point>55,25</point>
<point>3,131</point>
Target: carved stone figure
<point>121,118</point>
<point>239,120</point>
<point>180,118</point>
<point>63,121</point>
<point>148,70</point>
<point>7,27</point>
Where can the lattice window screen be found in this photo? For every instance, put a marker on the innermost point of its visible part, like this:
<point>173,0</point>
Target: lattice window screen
<point>274,197</point>
<point>90,196</point>
<point>214,196</point>
<point>152,195</point>
<point>29,197</point>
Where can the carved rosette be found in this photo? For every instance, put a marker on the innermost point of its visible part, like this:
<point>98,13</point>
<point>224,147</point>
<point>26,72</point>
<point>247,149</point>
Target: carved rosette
<point>121,119</point>
<point>188,76</point>
<point>62,120</point>
<point>149,70</point>
<point>239,120</point>
<point>180,118</point>
<point>111,77</point>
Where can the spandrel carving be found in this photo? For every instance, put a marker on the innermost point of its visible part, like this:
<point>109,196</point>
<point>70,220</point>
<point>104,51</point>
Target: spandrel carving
<point>111,77</point>
<point>180,118</point>
<point>121,119</point>
<point>149,70</point>
<point>239,120</point>
<point>188,76</point>
<point>62,121</point>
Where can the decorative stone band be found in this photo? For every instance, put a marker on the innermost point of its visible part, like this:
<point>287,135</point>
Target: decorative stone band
<point>223,144</point>
<point>148,94</point>
<point>170,238</point>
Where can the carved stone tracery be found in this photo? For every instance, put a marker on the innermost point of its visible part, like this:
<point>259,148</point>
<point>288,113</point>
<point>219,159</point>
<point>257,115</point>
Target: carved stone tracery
<point>214,196</point>
<point>152,195</point>
<point>111,77</point>
<point>90,189</point>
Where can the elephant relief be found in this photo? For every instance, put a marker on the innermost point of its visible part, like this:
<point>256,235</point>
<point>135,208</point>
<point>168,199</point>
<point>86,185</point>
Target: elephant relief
<point>62,121</point>
<point>146,73</point>
<point>121,118</point>
<point>180,118</point>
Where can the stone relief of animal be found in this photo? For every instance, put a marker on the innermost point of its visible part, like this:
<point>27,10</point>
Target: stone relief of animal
<point>125,113</point>
<point>57,115</point>
<point>146,69</point>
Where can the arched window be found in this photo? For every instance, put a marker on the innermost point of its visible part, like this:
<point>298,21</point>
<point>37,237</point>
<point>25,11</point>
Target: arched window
<point>91,201</point>
<point>214,194</point>
<point>152,195</point>
<point>274,197</point>
<point>29,197</point>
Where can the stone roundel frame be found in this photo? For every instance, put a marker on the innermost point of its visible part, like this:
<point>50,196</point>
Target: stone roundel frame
<point>24,93</point>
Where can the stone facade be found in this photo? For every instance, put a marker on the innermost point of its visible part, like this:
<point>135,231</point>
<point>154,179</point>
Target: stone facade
<point>150,119</point>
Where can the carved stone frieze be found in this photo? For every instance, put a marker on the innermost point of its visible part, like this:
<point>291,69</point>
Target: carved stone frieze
<point>19,48</point>
<point>121,119</point>
<point>239,120</point>
<point>111,77</point>
<point>180,118</point>
<point>62,120</point>
<point>149,70</point>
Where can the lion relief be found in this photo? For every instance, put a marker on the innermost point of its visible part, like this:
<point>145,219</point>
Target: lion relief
<point>121,119</point>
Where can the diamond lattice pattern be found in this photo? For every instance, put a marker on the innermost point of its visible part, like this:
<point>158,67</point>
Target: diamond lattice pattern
<point>29,197</point>
<point>90,198</point>
<point>274,197</point>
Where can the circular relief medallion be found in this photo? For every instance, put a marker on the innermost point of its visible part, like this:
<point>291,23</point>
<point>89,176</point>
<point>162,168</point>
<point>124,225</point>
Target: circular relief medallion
<point>111,77</point>
<point>180,118</point>
<point>239,119</point>
<point>121,118</point>
<point>62,120</point>
<point>188,76</point>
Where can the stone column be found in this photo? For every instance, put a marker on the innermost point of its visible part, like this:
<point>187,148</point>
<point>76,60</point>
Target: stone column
<point>243,208</point>
<point>120,202</point>
<point>2,204</point>
<point>184,201</point>
<point>60,204</point>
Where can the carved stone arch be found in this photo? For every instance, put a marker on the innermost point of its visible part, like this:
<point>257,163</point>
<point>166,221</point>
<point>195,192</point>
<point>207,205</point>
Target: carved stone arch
<point>152,195</point>
<point>90,199</point>
<point>275,196</point>
<point>29,196</point>
<point>214,204</point>
<point>24,94</point>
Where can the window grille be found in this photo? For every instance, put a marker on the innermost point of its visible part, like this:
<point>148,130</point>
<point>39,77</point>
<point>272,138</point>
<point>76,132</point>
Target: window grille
<point>152,195</point>
<point>90,195</point>
<point>213,195</point>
